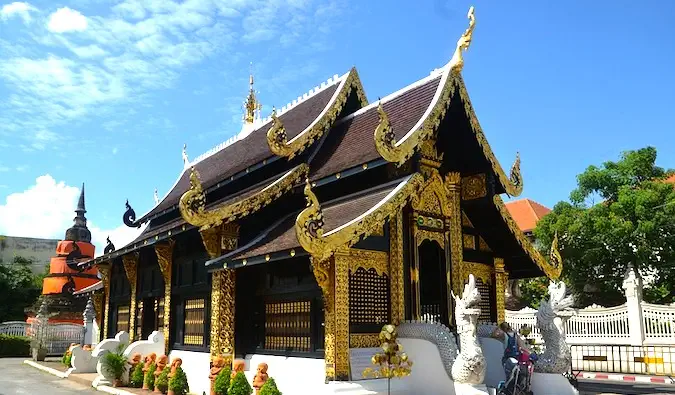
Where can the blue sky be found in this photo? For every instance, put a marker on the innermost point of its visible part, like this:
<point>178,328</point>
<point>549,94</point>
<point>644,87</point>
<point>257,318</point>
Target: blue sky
<point>107,92</point>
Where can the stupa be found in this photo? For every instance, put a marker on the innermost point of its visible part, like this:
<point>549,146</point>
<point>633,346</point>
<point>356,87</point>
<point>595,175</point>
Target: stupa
<point>65,275</point>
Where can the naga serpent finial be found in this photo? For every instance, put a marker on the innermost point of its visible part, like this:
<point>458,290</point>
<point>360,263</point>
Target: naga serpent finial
<point>457,61</point>
<point>555,259</point>
<point>129,216</point>
<point>109,246</point>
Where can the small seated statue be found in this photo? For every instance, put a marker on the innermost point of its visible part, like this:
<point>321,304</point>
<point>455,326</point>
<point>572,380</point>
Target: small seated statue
<point>161,364</point>
<point>149,360</point>
<point>87,347</point>
<point>135,360</point>
<point>238,366</point>
<point>175,364</point>
<point>217,364</point>
<point>260,377</point>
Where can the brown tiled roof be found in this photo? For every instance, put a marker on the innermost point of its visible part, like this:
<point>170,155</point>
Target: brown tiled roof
<point>357,145</point>
<point>526,213</point>
<point>250,150</point>
<point>671,179</point>
<point>335,214</point>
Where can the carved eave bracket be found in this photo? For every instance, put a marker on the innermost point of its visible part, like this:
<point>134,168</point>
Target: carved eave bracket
<point>193,202</point>
<point>276,135</point>
<point>552,269</point>
<point>309,223</point>
<point>129,216</point>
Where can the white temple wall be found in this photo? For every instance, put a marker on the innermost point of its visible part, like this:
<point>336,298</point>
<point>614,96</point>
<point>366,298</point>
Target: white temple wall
<point>196,366</point>
<point>293,375</point>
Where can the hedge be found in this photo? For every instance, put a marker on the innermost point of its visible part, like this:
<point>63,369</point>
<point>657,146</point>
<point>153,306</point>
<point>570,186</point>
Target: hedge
<point>14,346</point>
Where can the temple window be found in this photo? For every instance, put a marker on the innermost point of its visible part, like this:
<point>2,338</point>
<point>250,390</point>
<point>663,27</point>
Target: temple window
<point>193,327</point>
<point>368,300</point>
<point>122,318</point>
<point>288,325</point>
<point>191,302</point>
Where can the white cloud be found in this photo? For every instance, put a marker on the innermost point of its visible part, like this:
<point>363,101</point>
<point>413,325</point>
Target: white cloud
<point>19,9</point>
<point>45,210</point>
<point>66,20</point>
<point>114,151</point>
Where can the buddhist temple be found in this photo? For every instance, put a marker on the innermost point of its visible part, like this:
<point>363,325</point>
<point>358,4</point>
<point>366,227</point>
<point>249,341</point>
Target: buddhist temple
<point>302,235</point>
<point>66,276</point>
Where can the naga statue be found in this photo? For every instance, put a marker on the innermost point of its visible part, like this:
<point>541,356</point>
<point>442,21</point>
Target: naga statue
<point>468,366</point>
<point>551,318</point>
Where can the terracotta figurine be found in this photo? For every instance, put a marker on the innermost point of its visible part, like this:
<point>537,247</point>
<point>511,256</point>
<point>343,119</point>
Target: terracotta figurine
<point>161,364</point>
<point>238,366</point>
<point>135,360</point>
<point>260,377</point>
<point>149,360</point>
<point>175,364</point>
<point>217,365</point>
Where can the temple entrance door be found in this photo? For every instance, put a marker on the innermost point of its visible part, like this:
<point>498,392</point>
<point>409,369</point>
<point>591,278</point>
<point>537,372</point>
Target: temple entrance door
<point>432,283</point>
<point>151,315</point>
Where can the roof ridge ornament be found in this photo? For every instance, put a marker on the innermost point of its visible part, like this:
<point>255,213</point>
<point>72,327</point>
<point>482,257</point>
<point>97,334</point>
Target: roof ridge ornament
<point>555,259</point>
<point>156,197</point>
<point>457,61</point>
<point>515,176</point>
<point>129,216</point>
<point>186,161</point>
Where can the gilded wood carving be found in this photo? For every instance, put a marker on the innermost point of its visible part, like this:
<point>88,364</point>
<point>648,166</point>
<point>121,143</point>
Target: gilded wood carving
<point>222,311</point>
<point>130,262</point>
<point>192,204</point>
<point>501,278</point>
<point>453,187</point>
<point>323,273</point>
<point>396,267</point>
<point>309,223</point>
<point>474,186</point>
<point>342,261</point>
<point>364,340</point>
<point>104,269</point>
<point>367,259</point>
<point>457,61</point>
<point>164,252</point>
<point>276,135</point>
<point>551,271</point>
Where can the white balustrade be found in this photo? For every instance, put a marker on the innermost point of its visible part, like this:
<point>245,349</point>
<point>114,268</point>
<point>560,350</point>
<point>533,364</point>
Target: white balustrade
<point>14,328</point>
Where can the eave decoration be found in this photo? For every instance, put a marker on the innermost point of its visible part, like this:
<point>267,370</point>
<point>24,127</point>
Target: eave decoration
<point>129,216</point>
<point>309,223</point>
<point>276,135</point>
<point>109,246</point>
<point>192,204</point>
<point>551,269</point>
<point>451,83</point>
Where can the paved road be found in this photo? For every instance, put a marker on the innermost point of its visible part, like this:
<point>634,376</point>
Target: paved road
<point>605,387</point>
<point>18,378</point>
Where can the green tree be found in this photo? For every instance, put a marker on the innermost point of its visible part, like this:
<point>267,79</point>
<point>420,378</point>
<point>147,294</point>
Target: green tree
<point>19,289</point>
<point>620,214</point>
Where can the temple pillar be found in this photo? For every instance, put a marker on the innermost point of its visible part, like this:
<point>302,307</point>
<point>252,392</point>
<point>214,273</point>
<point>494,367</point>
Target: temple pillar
<point>416,307</point>
<point>130,262</point>
<point>216,240</point>
<point>323,273</point>
<point>501,279</point>
<point>164,252</point>
<point>104,269</point>
<point>99,298</point>
<point>396,268</point>
<point>453,187</point>
<point>341,295</point>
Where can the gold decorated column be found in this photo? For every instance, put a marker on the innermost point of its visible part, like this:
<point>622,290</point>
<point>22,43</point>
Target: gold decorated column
<point>130,262</point>
<point>98,299</point>
<point>342,259</point>
<point>501,279</point>
<point>323,273</point>
<point>104,269</point>
<point>164,253</point>
<point>222,288</point>
<point>396,268</point>
<point>415,306</point>
<point>453,186</point>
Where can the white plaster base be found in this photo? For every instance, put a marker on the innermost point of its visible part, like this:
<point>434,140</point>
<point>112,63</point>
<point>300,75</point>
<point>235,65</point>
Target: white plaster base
<point>552,384</point>
<point>471,389</point>
<point>293,375</point>
<point>196,366</point>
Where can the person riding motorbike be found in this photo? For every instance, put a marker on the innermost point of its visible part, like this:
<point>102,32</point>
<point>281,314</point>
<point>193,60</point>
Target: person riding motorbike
<point>514,346</point>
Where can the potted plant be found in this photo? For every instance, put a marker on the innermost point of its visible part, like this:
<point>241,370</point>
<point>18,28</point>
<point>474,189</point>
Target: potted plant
<point>178,384</point>
<point>136,379</point>
<point>240,385</point>
<point>222,383</point>
<point>116,364</point>
<point>269,388</point>
<point>149,381</point>
<point>162,381</point>
<point>67,358</point>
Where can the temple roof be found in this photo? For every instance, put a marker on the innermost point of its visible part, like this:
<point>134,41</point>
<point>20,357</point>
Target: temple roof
<point>229,160</point>
<point>526,213</point>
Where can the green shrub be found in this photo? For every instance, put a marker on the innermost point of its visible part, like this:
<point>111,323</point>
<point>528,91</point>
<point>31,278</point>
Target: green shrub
<point>178,383</point>
<point>269,388</point>
<point>136,379</point>
<point>150,376</point>
<point>240,385</point>
<point>222,383</point>
<point>67,357</point>
<point>14,346</point>
<point>115,363</point>
<point>162,382</point>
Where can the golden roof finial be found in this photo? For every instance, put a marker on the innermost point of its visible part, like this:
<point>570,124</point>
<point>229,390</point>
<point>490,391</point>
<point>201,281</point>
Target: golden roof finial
<point>457,61</point>
<point>251,105</point>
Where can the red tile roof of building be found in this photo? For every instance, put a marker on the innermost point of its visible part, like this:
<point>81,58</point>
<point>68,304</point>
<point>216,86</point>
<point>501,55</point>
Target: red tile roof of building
<point>526,213</point>
<point>671,179</point>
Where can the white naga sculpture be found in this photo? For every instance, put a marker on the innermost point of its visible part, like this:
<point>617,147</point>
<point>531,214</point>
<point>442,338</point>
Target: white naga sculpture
<point>466,366</point>
<point>470,364</point>
<point>551,318</point>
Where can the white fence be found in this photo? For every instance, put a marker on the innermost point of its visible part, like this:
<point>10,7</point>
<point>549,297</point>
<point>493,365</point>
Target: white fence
<point>608,325</point>
<point>14,328</point>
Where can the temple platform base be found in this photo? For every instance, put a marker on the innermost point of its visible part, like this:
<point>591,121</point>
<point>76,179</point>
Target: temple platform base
<point>471,389</point>
<point>552,383</point>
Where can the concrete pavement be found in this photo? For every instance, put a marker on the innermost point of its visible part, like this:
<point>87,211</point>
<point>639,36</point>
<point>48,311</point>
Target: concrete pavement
<point>606,387</point>
<point>17,378</point>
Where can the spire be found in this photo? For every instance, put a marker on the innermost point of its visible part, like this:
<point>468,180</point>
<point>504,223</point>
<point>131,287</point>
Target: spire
<point>251,105</point>
<point>79,231</point>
